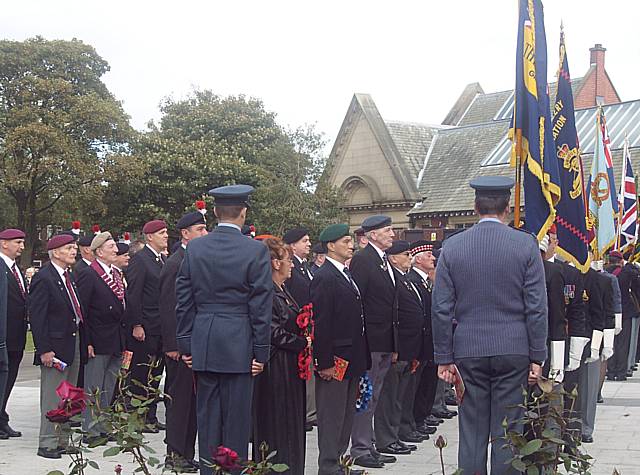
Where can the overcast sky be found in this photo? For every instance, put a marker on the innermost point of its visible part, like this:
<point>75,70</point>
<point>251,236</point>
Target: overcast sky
<point>305,59</point>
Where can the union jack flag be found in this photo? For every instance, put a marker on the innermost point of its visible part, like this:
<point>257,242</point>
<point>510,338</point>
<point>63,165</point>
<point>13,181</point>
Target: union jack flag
<point>628,200</point>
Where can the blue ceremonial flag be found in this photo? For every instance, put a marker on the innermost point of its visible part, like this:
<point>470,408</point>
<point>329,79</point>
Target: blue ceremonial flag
<point>531,127</point>
<point>573,240</point>
<point>602,192</point>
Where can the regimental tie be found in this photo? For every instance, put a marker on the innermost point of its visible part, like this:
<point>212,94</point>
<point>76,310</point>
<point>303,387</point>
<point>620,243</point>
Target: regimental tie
<point>72,294</point>
<point>118,283</point>
<point>14,269</point>
<point>347,272</point>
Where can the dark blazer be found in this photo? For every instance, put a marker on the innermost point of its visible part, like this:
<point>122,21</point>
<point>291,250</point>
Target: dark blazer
<point>224,294</point>
<point>575,305</point>
<point>339,322</point>
<point>285,333</point>
<point>143,292</point>
<point>299,283</point>
<point>80,265</point>
<point>427,333</point>
<point>168,299</point>
<point>378,298</point>
<point>104,316</point>
<point>410,318</point>
<point>16,311</point>
<point>629,282</point>
<point>594,300</point>
<point>554,280</point>
<point>52,318</point>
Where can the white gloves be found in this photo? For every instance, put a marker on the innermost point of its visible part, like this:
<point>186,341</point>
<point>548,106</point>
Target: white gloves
<point>618,327</point>
<point>576,347</point>
<point>597,265</point>
<point>607,350</point>
<point>544,244</point>
<point>596,341</point>
<point>556,362</point>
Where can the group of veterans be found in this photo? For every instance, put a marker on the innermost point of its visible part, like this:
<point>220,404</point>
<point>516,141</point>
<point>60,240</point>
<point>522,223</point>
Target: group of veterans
<point>392,328</point>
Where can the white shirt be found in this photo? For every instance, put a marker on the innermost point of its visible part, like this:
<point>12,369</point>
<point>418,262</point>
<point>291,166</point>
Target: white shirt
<point>493,220</point>
<point>10,263</point>
<point>230,225</point>
<point>382,255</point>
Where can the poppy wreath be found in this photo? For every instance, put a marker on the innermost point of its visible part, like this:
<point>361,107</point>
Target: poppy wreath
<point>304,320</point>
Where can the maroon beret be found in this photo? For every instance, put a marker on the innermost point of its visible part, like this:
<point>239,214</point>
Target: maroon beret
<point>154,226</point>
<point>9,234</point>
<point>617,254</point>
<point>59,240</point>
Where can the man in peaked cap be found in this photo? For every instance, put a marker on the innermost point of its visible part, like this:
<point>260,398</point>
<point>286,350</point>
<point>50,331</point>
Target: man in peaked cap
<point>339,333</point>
<point>223,315</point>
<point>298,286</point>
<point>181,409</point>
<point>500,339</point>
<point>11,247</point>
<point>86,254</point>
<point>142,314</point>
<point>57,324</point>
<point>376,280</point>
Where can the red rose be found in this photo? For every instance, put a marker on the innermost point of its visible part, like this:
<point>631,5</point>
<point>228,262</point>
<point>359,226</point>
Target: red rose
<point>226,458</point>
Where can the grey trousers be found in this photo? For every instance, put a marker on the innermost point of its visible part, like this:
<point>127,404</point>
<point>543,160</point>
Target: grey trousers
<point>100,374</point>
<point>493,391</point>
<point>336,407</point>
<point>50,379</point>
<point>588,388</point>
<point>388,414</point>
<point>362,432</point>
<point>311,398</point>
<point>633,344</point>
<point>438,403</point>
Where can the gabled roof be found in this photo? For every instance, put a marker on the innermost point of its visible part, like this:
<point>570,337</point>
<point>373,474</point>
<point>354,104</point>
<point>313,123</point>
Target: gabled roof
<point>413,141</point>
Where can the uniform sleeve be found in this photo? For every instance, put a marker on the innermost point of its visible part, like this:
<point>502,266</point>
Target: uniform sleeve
<point>576,310</point>
<point>322,297</point>
<point>38,304</point>
<point>135,290</point>
<point>535,305</point>
<point>596,305</point>
<point>185,306</point>
<point>260,303</point>
<point>442,312</point>
<point>167,306</point>
<point>557,310</point>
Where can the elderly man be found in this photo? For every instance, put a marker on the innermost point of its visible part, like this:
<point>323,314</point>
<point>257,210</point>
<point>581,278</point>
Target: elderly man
<point>102,295</point>
<point>181,409</point>
<point>377,283</point>
<point>57,320</point>
<point>11,247</point>
<point>143,314</point>
<point>490,279</point>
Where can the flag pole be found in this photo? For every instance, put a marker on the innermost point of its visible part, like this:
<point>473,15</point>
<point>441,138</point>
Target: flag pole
<point>621,194</point>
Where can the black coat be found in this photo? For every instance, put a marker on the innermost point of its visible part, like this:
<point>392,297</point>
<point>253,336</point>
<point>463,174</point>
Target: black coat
<point>52,318</point>
<point>378,299</point>
<point>299,283</point>
<point>339,322</point>
<point>410,319</point>
<point>104,316</point>
<point>167,304</point>
<point>80,265</point>
<point>594,299</point>
<point>554,280</point>
<point>143,292</point>
<point>16,311</point>
<point>576,308</point>
<point>425,290</point>
<point>629,282</point>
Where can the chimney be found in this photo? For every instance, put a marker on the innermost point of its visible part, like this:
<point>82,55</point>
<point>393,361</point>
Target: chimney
<point>597,56</point>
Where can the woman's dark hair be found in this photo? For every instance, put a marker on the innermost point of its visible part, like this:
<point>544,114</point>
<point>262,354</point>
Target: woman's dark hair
<point>492,204</point>
<point>277,248</point>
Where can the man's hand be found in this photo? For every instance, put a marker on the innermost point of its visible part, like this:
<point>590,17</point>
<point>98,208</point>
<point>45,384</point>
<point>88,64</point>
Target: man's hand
<point>256,368</point>
<point>327,374</point>
<point>138,332</point>
<point>187,360</point>
<point>394,357</point>
<point>47,358</point>
<point>91,351</point>
<point>447,373</point>
<point>535,371</point>
<point>174,355</point>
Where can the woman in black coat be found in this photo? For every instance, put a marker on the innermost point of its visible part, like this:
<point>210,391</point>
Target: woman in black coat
<point>279,407</point>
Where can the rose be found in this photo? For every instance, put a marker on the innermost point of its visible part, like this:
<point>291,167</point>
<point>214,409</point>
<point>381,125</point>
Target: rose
<point>226,458</point>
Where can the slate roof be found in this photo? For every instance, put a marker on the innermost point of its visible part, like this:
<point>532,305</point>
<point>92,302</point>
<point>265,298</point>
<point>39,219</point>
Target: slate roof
<point>412,141</point>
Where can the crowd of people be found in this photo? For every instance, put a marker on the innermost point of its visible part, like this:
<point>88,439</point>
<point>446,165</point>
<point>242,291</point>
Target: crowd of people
<point>263,338</point>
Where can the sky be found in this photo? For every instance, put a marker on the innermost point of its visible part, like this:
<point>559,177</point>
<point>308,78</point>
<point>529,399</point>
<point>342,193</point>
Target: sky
<point>305,59</point>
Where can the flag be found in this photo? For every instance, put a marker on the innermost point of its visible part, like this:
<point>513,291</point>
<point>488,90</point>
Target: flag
<point>601,192</point>
<point>573,240</point>
<point>628,200</point>
<point>530,132</point>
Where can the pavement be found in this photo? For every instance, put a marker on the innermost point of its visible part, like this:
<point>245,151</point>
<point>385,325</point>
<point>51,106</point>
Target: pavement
<point>616,437</point>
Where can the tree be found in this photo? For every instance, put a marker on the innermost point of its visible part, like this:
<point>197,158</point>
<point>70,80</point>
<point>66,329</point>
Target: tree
<point>58,126</point>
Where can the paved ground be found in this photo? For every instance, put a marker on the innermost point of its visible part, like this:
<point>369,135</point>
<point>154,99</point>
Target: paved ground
<point>617,437</point>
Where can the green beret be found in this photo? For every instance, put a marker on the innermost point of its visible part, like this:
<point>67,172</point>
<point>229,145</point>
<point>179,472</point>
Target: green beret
<point>334,232</point>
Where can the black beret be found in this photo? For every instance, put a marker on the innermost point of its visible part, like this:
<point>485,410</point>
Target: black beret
<point>232,195</point>
<point>318,248</point>
<point>376,222</point>
<point>191,219</point>
<point>85,241</point>
<point>294,235</point>
<point>398,247</point>
<point>123,248</point>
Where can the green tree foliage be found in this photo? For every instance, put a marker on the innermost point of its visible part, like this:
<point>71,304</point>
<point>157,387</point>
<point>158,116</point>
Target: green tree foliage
<point>58,122</point>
